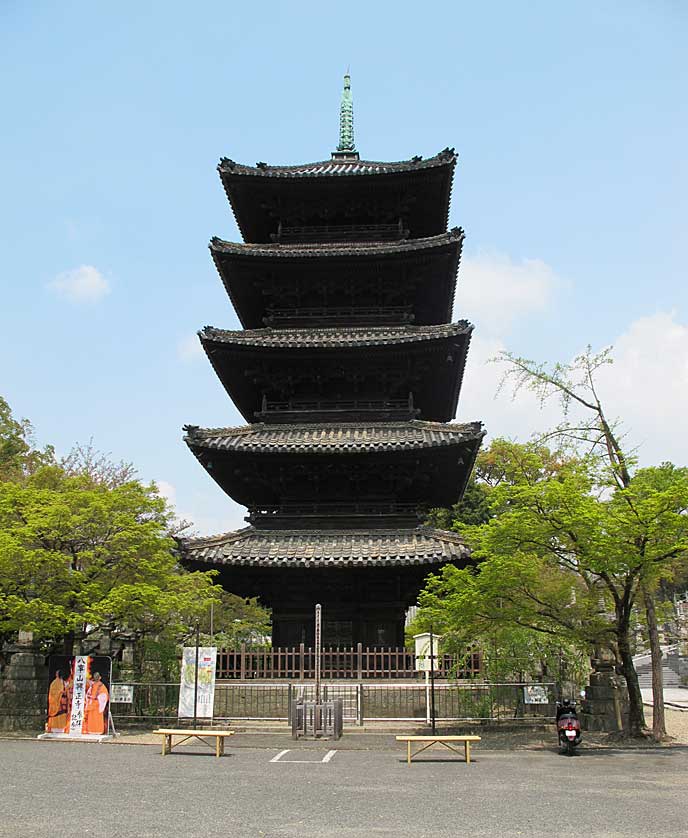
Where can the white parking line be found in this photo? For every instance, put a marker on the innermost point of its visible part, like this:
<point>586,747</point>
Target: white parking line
<point>328,756</point>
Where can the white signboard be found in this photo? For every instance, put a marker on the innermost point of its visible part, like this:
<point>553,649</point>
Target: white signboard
<point>122,694</point>
<point>423,652</point>
<point>535,694</point>
<point>205,691</point>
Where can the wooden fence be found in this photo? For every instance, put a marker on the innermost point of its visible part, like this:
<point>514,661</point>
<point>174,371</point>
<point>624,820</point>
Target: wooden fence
<point>298,663</point>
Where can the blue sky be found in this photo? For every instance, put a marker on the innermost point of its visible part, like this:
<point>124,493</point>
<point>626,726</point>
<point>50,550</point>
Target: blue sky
<point>570,121</point>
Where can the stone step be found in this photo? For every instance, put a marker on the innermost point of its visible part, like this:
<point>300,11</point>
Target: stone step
<point>670,677</point>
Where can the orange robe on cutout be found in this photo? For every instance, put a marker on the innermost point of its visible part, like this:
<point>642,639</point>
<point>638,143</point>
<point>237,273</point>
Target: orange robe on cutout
<point>58,705</point>
<point>97,698</point>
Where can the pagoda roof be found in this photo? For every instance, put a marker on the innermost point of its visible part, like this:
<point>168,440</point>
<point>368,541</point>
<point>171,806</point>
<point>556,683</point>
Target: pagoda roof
<point>326,548</point>
<point>395,462</point>
<point>339,167</point>
<point>262,277</point>
<point>348,437</point>
<point>342,191</point>
<point>335,337</point>
<point>290,366</point>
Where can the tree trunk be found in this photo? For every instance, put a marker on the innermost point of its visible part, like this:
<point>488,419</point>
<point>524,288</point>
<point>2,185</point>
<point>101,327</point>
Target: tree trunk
<point>636,715</point>
<point>68,644</point>
<point>658,718</point>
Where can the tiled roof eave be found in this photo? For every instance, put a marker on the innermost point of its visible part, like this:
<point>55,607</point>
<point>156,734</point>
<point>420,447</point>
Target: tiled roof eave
<point>352,437</point>
<point>326,548</point>
<point>335,337</point>
<point>338,169</point>
<point>354,249</point>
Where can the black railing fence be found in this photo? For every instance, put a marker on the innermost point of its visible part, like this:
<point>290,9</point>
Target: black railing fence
<point>363,702</point>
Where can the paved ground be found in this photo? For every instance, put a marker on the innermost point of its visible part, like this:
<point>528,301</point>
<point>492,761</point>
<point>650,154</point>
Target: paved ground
<point>673,696</point>
<point>127,791</point>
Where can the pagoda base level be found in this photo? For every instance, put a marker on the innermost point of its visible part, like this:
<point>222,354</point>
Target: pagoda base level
<point>364,579</point>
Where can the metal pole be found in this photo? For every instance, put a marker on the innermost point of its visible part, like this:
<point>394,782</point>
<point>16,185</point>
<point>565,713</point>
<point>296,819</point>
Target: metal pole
<point>195,720</point>
<point>427,697</point>
<point>432,684</point>
<point>318,651</point>
<point>212,624</point>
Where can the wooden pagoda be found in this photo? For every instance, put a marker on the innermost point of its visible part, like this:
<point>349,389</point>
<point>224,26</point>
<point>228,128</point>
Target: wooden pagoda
<point>348,372</point>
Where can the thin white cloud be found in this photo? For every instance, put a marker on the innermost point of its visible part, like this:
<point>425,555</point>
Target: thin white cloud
<point>494,291</point>
<point>189,348</point>
<point>84,284</point>
<point>646,389</point>
<point>167,491</point>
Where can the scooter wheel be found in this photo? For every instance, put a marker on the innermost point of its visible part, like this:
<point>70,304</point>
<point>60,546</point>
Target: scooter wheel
<point>570,748</point>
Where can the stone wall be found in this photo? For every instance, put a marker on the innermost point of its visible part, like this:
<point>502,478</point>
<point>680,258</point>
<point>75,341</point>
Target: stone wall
<point>23,687</point>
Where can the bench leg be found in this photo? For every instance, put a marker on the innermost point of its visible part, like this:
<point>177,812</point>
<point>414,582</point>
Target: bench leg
<point>218,745</point>
<point>166,744</point>
<point>468,752</point>
<point>408,753</point>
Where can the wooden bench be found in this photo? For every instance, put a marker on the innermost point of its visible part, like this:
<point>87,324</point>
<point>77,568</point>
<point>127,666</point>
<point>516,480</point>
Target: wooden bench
<point>188,733</point>
<point>429,741</point>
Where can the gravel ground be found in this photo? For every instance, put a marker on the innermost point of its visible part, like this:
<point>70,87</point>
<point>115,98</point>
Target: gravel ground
<point>676,724</point>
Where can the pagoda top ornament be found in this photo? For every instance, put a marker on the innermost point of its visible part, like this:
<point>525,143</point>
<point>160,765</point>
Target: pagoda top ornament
<point>346,147</point>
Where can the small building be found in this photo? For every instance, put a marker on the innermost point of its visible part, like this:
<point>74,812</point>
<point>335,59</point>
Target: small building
<point>348,371</point>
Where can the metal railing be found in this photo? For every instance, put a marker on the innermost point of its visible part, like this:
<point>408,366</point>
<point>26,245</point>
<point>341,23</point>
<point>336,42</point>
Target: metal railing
<point>455,702</point>
<point>362,703</point>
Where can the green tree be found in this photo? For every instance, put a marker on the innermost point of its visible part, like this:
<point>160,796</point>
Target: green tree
<point>18,455</point>
<point>564,555</point>
<point>472,509</point>
<point>586,425</point>
<point>76,555</point>
<point>234,620</point>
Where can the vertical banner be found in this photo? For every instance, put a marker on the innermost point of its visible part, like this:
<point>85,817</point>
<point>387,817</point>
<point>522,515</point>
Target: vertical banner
<point>78,696</point>
<point>205,691</point>
<point>80,671</point>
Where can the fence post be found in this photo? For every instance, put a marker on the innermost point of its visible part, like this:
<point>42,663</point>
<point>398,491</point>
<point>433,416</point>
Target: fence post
<point>242,665</point>
<point>359,708</point>
<point>302,651</point>
<point>359,661</point>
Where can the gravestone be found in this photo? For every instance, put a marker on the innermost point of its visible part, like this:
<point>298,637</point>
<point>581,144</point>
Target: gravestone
<point>605,707</point>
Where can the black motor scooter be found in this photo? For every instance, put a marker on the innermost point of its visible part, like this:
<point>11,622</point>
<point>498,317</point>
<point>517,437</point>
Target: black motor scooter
<point>568,727</point>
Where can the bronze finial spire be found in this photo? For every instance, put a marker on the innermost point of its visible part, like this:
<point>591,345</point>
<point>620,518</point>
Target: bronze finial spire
<point>346,121</point>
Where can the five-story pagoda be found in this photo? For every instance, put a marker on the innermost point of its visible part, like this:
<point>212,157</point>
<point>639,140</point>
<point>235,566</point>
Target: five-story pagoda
<point>349,371</point>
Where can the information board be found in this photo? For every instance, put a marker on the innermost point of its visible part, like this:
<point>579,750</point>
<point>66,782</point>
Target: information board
<point>204,689</point>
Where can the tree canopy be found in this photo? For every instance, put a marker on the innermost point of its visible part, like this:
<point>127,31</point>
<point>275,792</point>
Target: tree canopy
<point>565,552</point>
<point>84,545</point>
<point>75,555</point>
